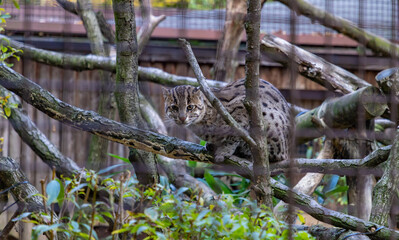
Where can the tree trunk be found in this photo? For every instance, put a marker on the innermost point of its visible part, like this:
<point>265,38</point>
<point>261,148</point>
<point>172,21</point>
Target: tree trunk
<point>127,89</point>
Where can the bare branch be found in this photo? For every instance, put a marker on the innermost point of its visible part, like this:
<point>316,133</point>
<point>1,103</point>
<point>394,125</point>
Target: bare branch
<point>376,43</point>
<point>211,97</point>
<point>92,62</point>
<point>150,22</point>
<point>311,66</point>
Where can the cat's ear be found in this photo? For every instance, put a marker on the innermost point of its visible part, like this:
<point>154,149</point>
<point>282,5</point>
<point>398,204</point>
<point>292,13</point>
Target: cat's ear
<point>165,92</point>
<point>197,91</point>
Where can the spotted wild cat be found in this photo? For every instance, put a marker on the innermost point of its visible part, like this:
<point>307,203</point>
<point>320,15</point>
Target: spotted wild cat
<point>186,105</point>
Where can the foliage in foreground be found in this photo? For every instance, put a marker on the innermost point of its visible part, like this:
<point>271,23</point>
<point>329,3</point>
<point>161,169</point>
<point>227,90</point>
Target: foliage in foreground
<point>161,212</point>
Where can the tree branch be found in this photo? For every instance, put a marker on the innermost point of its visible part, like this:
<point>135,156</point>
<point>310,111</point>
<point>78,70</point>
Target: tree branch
<point>38,142</point>
<point>310,206</point>
<point>376,43</point>
<point>150,22</point>
<point>336,166</point>
<point>92,62</point>
<point>167,146</point>
<point>311,66</point>
<point>386,188</point>
<point>26,195</point>
<point>342,112</point>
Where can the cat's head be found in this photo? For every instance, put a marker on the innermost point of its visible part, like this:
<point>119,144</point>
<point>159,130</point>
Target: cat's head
<point>184,104</point>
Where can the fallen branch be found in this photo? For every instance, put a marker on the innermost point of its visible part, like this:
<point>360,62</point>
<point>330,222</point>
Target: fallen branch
<point>311,66</point>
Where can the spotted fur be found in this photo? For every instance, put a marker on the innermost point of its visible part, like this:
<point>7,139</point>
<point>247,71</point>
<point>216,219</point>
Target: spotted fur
<point>187,106</point>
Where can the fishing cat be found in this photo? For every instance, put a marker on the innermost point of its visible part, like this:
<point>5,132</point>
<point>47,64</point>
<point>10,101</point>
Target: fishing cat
<point>186,105</point>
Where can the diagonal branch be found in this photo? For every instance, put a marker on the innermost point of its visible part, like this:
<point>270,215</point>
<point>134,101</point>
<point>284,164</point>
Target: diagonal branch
<point>310,206</point>
<point>376,43</point>
<point>241,132</point>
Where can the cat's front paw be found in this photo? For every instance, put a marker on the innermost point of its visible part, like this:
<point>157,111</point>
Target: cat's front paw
<point>219,158</point>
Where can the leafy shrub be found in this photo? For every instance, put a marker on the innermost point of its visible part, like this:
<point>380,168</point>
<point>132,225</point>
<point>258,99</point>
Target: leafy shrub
<point>161,212</point>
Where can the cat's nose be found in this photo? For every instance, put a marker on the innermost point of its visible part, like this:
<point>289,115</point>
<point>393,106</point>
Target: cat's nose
<point>182,118</point>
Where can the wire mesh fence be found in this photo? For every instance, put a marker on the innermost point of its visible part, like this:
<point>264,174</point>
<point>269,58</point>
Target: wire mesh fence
<point>38,20</point>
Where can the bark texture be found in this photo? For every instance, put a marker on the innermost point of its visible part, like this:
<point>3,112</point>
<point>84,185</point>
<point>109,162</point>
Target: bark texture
<point>38,142</point>
<point>257,130</point>
<point>386,188</point>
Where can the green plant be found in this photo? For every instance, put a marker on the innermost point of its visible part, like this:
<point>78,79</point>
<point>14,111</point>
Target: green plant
<point>158,213</point>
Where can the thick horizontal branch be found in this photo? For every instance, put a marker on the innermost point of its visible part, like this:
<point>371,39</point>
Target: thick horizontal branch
<point>92,62</point>
<point>311,66</point>
<point>365,165</point>
<point>343,112</point>
<point>92,122</point>
<point>376,43</point>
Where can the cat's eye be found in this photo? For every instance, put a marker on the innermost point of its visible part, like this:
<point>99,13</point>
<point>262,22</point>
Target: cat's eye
<point>174,108</point>
<point>190,107</point>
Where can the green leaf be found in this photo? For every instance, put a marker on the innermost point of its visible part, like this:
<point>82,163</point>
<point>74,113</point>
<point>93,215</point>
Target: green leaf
<point>223,186</point>
<point>212,183</point>
<point>192,164</point>
<point>77,188</point>
<point>151,213</point>
<point>61,195</point>
<point>181,190</point>
<point>7,111</point>
<point>301,218</point>
<point>141,229</point>
<point>202,143</point>
<point>53,190</point>
<point>337,189</point>
<point>16,4</point>
<point>110,168</point>
<point>22,216</point>
<point>119,157</point>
